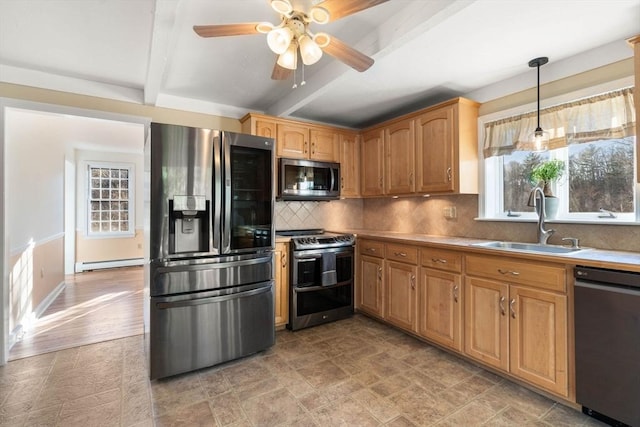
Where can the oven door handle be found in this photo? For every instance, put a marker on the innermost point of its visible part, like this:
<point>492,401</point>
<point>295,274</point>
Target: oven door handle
<point>307,257</point>
<point>319,288</point>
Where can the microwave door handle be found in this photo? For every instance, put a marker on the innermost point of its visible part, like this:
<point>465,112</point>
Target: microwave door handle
<point>333,179</point>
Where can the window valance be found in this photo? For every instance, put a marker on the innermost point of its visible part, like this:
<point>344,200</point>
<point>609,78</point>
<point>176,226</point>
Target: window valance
<point>605,116</point>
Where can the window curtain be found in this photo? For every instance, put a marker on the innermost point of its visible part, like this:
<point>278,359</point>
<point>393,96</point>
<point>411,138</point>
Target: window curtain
<point>606,116</point>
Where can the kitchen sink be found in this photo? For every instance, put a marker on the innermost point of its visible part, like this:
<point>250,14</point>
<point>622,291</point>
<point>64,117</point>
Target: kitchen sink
<point>528,247</point>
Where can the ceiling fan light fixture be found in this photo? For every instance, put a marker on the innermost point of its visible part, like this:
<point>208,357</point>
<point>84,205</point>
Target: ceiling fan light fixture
<point>309,50</point>
<point>264,27</point>
<point>279,39</point>
<point>539,138</point>
<point>289,59</point>
<point>283,7</point>
<point>322,39</point>
<point>319,15</point>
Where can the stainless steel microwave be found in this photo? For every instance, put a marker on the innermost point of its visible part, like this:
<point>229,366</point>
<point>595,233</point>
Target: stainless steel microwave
<point>308,180</point>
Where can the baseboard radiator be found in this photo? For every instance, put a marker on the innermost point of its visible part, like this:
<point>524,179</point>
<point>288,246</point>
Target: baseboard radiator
<point>98,265</point>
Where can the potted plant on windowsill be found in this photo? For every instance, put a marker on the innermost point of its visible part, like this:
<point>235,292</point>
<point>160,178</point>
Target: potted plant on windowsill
<point>543,175</point>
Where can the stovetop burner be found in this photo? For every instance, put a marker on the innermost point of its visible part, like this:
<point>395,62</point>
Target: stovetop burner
<point>316,238</point>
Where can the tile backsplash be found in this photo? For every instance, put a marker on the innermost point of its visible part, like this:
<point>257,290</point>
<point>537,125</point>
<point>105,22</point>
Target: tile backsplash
<point>333,215</point>
<point>426,216</point>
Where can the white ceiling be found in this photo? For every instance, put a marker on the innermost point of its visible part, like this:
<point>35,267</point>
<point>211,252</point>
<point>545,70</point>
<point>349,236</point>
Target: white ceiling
<point>145,51</point>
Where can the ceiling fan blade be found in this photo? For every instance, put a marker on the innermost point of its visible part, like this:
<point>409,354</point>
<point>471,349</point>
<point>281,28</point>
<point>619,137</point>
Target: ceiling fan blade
<point>226,29</point>
<point>345,53</point>
<point>280,73</point>
<point>341,8</point>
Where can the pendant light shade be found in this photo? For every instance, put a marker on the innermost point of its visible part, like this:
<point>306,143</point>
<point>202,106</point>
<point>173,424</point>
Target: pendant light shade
<point>289,59</point>
<point>309,50</point>
<point>279,39</point>
<point>539,138</point>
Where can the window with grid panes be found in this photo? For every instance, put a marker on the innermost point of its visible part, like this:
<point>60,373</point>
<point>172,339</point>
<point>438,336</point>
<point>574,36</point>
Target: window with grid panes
<point>110,200</point>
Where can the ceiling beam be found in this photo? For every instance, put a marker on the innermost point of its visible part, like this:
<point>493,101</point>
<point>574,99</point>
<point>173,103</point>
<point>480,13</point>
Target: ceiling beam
<point>413,20</point>
<point>163,23</point>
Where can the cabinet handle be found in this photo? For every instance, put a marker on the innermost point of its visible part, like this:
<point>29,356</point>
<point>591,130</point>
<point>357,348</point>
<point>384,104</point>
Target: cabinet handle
<point>379,275</point>
<point>439,260</point>
<point>380,183</point>
<point>449,174</point>
<point>455,293</point>
<point>513,311</point>
<point>306,146</point>
<point>342,182</point>
<point>402,254</point>
<point>411,179</point>
<point>513,273</point>
<point>284,260</point>
<point>370,250</point>
<point>413,281</point>
<point>502,309</point>
<point>313,148</point>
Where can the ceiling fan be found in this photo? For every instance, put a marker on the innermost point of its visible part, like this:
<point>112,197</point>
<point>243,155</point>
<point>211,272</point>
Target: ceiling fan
<point>293,34</point>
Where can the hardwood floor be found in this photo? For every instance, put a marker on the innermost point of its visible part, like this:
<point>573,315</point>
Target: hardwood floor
<point>94,307</point>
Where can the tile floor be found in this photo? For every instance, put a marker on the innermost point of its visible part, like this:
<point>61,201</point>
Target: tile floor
<point>355,372</point>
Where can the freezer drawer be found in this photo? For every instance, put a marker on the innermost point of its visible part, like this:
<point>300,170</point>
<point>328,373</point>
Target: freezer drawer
<point>194,331</point>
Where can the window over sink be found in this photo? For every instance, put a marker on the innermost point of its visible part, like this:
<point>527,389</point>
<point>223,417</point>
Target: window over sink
<point>594,139</point>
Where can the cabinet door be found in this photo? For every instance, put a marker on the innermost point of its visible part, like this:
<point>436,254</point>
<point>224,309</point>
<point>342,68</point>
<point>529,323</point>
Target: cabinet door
<point>265,128</point>
<point>324,145</point>
<point>435,140</point>
<point>399,146</point>
<point>486,322</point>
<point>440,307</point>
<point>538,338</point>
<point>371,163</point>
<point>282,284</point>
<point>349,165</point>
<point>400,296</point>
<point>292,141</point>
<point>370,298</point>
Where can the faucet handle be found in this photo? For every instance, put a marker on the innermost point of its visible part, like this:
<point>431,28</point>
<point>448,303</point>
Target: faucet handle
<point>575,243</point>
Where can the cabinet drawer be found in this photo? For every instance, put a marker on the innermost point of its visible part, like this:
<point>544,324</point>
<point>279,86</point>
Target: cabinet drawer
<point>402,253</point>
<point>371,248</point>
<point>441,259</point>
<point>538,274</point>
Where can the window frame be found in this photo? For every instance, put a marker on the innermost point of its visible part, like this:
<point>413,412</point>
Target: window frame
<point>130,167</point>
<point>490,200</point>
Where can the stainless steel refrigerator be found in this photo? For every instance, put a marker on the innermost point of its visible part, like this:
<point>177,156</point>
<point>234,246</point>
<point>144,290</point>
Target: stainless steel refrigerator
<point>209,290</point>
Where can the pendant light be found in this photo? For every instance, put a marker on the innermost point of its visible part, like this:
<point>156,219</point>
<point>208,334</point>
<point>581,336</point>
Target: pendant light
<point>539,138</point>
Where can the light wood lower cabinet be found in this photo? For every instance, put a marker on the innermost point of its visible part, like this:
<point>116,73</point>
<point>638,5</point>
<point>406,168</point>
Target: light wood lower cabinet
<point>440,307</point>
<point>520,329</point>
<point>370,295</point>
<point>400,293</point>
<point>281,261</point>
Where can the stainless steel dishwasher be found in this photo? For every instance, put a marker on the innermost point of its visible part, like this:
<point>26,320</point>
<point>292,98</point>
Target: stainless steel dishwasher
<point>607,324</point>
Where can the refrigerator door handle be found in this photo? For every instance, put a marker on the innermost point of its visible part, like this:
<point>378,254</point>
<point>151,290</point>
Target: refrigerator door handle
<point>209,300</point>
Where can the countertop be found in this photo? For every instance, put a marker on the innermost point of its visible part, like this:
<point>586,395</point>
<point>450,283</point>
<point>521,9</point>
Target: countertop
<point>592,257</point>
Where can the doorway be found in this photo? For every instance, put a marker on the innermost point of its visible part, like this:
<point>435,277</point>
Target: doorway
<point>44,219</point>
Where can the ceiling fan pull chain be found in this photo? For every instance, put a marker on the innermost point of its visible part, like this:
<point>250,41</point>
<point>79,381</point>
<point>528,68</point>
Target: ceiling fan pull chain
<point>295,85</point>
<point>303,82</point>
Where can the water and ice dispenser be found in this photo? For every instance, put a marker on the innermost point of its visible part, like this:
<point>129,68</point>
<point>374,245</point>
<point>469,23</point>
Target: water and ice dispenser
<point>188,224</point>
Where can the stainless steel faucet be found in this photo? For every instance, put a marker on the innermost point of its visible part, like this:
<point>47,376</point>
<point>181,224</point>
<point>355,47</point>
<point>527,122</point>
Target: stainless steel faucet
<point>543,235</point>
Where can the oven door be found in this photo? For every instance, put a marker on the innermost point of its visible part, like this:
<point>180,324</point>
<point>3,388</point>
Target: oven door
<point>321,286</point>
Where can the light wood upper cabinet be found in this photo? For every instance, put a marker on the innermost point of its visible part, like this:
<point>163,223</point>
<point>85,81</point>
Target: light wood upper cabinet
<point>447,148</point>
<point>259,125</point>
<point>399,148</point>
<point>292,141</point>
<point>324,145</point>
<point>281,260</point>
<point>349,165</point>
<point>371,163</point>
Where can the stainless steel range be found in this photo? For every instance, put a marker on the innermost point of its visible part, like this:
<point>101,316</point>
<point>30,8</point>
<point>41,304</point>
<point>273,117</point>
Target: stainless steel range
<point>322,266</point>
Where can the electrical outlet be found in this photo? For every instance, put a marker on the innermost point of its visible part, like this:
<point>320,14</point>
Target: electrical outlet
<point>450,212</point>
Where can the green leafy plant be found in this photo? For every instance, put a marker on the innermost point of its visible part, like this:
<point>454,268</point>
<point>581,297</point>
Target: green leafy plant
<point>546,173</point>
